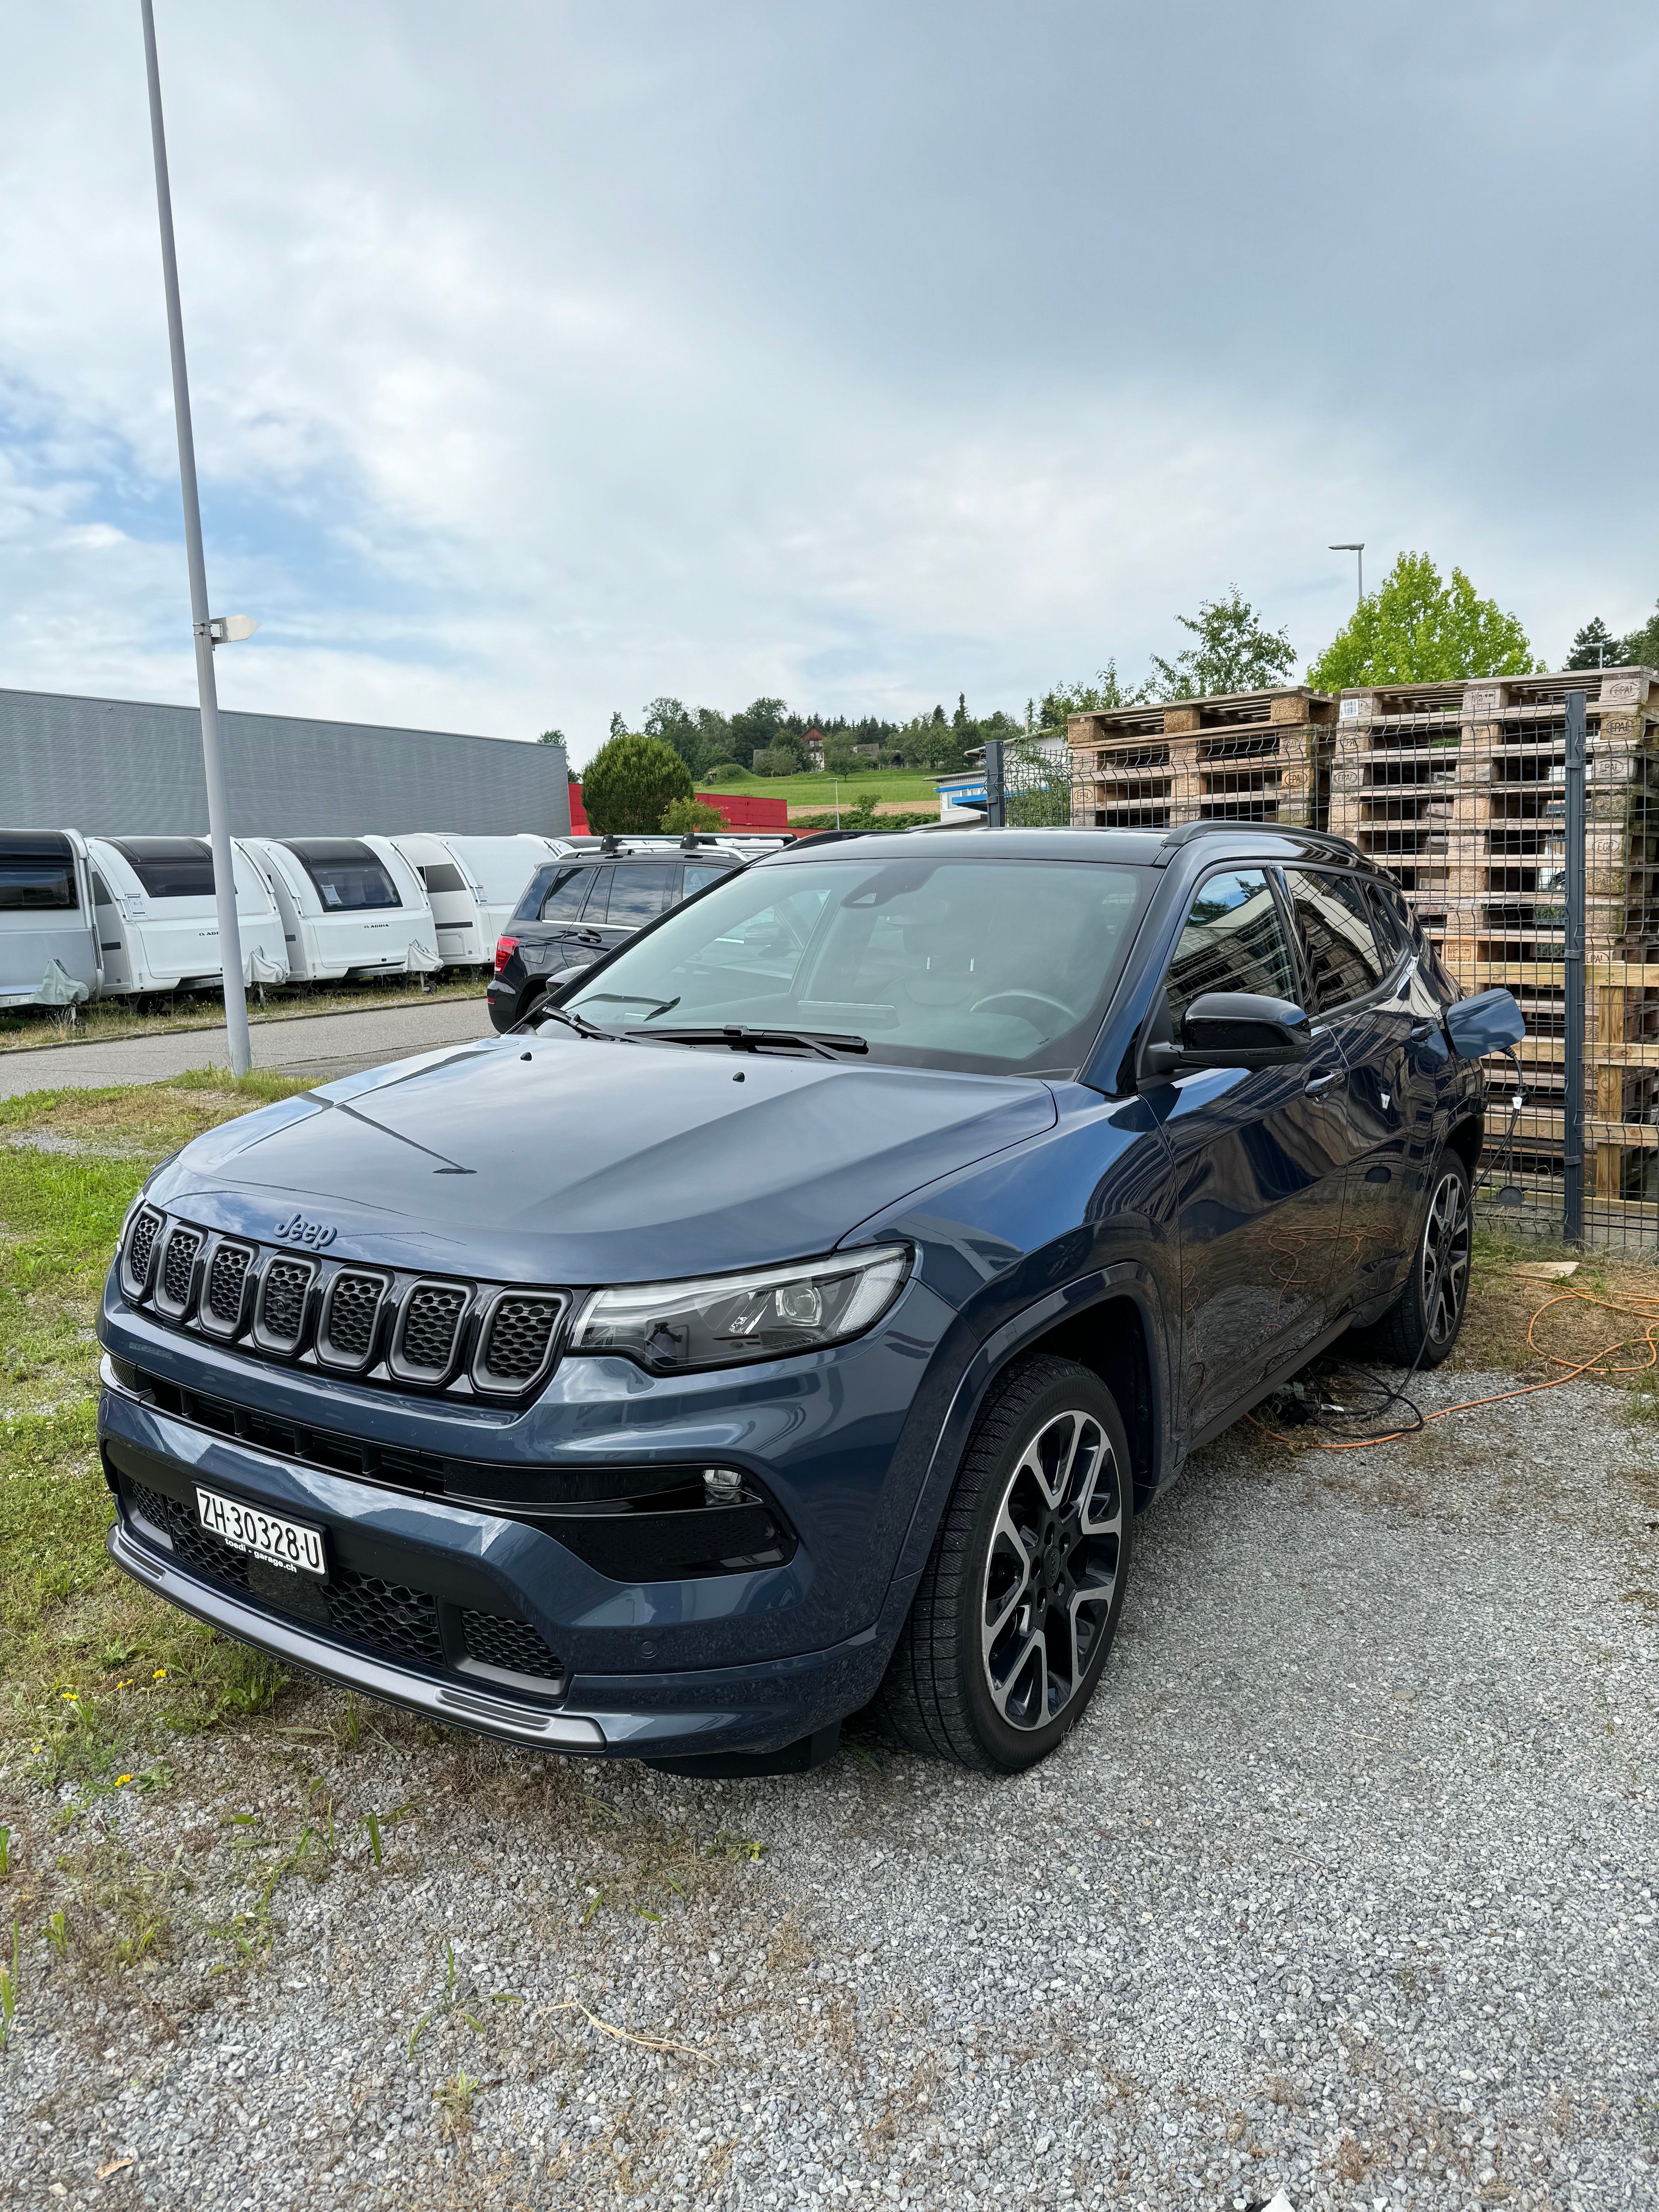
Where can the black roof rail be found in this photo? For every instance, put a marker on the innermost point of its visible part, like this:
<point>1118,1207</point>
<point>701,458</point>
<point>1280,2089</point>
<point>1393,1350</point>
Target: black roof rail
<point>1189,832</point>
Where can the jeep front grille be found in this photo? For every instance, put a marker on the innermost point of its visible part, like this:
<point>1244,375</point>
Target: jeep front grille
<point>427,1331</point>
<point>178,1272</point>
<point>141,1249</point>
<point>518,1338</point>
<point>282,1302</point>
<point>227,1286</point>
<point>351,1315</point>
<point>384,1326</point>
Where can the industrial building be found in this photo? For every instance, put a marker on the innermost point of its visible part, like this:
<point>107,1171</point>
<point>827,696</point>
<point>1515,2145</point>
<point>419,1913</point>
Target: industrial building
<point>125,768</point>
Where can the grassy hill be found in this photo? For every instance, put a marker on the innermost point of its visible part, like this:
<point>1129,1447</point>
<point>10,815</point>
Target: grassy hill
<point>817,788</point>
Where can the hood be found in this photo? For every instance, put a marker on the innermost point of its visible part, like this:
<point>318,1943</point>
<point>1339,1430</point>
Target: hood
<point>573,1161</point>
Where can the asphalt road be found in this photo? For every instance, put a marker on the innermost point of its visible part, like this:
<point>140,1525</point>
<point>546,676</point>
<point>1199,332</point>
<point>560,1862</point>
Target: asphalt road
<point>319,1046</point>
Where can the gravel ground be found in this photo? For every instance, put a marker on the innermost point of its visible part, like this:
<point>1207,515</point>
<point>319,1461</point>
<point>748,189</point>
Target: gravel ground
<point>1345,1887</point>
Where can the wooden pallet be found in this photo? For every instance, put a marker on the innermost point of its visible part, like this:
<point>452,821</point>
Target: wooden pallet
<point>1269,772</point>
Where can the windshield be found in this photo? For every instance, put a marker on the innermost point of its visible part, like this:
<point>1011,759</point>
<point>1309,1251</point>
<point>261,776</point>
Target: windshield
<point>985,965</point>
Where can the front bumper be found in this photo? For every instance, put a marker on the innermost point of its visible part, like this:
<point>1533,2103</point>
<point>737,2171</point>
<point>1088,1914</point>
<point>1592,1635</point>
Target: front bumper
<point>425,1568</point>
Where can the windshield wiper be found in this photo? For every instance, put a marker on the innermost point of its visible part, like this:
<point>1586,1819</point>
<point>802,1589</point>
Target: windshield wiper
<point>543,1012</point>
<point>826,1043</point>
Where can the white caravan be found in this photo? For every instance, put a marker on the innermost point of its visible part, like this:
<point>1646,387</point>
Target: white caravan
<point>49,953</point>
<point>474,885</point>
<point>350,906</point>
<point>158,925</point>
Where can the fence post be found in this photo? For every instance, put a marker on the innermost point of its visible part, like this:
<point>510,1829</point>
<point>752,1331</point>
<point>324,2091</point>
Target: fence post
<point>996,805</point>
<point>1572,1120</point>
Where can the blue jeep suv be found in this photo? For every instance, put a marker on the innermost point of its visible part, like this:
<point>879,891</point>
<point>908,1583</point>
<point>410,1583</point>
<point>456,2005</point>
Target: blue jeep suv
<point>796,1323</point>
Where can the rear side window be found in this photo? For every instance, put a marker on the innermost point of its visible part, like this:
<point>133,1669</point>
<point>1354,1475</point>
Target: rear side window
<point>169,867</point>
<point>1234,940</point>
<point>699,874</point>
<point>638,895</point>
<point>442,876</point>
<point>572,892</point>
<point>348,876</point>
<point>37,875</point>
<point>1335,917</point>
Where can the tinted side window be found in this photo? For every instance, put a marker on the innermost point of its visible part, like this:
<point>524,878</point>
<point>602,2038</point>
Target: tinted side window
<point>348,876</point>
<point>169,867</point>
<point>36,874</point>
<point>1335,917</point>
<point>1233,940</point>
<point>701,873</point>
<point>568,894</point>
<point>638,895</point>
<point>442,876</point>
<point>1393,923</point>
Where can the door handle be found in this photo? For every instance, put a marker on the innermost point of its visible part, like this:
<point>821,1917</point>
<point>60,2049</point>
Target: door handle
<point>1317,1086</point>
<point>1419,1030</point>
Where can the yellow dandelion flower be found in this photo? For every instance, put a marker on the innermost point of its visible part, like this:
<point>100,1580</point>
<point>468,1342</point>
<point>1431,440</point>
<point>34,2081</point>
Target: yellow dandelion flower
<point>120,1778</point>
<point>72,1696</point>
<point>159,1675</point>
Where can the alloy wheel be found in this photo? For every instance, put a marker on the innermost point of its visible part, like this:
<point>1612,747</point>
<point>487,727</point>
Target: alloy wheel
<point>1444,1263</point>
<point>1051,1570</point>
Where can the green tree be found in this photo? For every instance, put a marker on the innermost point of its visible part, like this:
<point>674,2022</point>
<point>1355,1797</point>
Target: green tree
<point>1595,646</point>
<point>783,757</point>
<point>680,814</point>
<point>1233,651</point>
<point>1415,629</point>
<point>552,737</point>
<point>755,727</point>
<point>630,782</point>
<point>1062,701</point>
<point>1641,649</point>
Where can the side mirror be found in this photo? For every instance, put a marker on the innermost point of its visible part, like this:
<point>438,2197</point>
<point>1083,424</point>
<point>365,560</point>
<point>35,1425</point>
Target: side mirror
<point>1230,1029</point>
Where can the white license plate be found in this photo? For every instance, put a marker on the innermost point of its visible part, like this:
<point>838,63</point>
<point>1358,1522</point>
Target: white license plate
<point>269,1536</point>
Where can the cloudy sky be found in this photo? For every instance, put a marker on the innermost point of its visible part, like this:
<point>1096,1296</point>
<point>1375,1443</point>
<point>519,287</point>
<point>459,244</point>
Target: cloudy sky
<point>549,357</point>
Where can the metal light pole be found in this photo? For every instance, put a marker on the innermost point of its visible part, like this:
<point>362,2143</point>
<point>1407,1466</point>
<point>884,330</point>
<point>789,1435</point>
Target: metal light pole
<point>224,874</point>
<point>1572,1120</point>
<point>1358,549</point>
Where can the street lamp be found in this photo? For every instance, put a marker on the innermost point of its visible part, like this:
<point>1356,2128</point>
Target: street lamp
<point>209,630</point>
<point>1357,548</point>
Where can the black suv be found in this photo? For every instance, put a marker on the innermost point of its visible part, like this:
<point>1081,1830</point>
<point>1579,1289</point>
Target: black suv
<point>576,910</point>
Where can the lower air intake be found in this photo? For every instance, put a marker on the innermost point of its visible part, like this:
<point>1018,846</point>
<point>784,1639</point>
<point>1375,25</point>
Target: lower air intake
<point>512,1645</point>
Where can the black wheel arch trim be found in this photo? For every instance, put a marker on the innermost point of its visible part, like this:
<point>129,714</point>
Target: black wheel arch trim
<point>1101,1286</point>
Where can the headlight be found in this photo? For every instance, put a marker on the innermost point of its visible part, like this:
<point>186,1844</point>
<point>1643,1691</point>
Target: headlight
<point>719,1321</point>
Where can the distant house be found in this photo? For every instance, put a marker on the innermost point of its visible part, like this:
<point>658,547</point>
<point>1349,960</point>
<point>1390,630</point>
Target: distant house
<point>812,744</point>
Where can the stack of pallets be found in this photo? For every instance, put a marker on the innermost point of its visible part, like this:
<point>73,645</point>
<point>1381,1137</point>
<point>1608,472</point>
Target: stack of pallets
<point>1459,789</point>
<point>1250,756</point>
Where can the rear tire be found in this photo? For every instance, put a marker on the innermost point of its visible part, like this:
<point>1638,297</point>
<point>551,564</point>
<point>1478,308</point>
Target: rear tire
<point>1421,1326</point>
<point>1019,1600</point>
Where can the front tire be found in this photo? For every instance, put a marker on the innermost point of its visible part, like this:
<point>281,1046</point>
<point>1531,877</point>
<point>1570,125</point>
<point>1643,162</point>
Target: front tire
<point>1424,1323</point>
<point>1020,1598</point>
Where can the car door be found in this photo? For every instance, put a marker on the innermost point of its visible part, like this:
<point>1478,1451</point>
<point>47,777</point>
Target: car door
<point>1360,987</point>
<point>1259,1160</point>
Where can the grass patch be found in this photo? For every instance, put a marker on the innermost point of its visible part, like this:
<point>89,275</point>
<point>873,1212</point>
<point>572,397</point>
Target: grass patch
<point>95,1674</point>
<point>1569,1318</point>
<point>27,1029</point>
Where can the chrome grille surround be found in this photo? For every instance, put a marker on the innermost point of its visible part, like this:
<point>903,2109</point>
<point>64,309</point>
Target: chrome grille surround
<point>427,1335</point>
<point>226,1279</point>
<point>493,1342</point>
<point>138,1253</point>
<point>174,1289</point>
<point>518,1332</point>
<point>348,1326</point>
<point>280,1302</point>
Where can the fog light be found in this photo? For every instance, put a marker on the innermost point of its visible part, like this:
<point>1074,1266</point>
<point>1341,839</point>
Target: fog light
<point>722,1486</point>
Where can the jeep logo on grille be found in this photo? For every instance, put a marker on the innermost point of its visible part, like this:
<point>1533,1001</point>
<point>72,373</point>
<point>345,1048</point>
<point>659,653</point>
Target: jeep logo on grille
<point>298,1230</point>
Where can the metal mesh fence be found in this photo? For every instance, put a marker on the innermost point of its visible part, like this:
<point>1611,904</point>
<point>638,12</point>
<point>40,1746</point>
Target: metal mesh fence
<point>1461,791</point>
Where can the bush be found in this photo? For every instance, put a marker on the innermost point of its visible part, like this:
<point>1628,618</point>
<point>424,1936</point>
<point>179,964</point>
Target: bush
<point>724,771</point>
<point>684,814</point>
<point>629,784</point>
